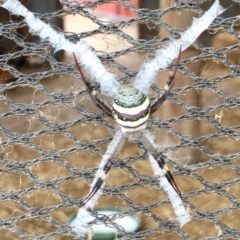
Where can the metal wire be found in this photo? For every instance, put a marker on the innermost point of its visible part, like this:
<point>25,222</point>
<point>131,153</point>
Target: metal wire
<point>52,138</point>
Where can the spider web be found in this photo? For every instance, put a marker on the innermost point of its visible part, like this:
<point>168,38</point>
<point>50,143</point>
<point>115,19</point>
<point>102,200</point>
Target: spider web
<point>53,137</point>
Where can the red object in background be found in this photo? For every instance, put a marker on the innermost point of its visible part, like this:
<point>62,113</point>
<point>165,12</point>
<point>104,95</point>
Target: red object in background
<point>6,77</point>
<point>114,11</point>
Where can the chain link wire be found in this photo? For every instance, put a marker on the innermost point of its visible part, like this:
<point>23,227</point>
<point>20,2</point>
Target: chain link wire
<point>53,138</point>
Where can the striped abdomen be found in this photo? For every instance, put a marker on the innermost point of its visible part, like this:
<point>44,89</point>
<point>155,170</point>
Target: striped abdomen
<point>131,109</point>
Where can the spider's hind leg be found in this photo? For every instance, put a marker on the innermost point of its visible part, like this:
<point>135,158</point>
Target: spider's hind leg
<point>81,221</point>
<point>159,158</point>
<point>93,94</point>
<point>165,178</point>
<point>103,169</point>
<point>168,87</point>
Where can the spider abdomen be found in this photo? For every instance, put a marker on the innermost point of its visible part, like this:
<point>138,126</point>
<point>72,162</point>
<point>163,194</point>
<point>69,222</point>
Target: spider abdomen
<point>131,109</point>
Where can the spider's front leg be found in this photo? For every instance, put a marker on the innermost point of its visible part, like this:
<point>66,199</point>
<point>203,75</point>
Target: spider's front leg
<point>168,87</point>
<point>93,94</point>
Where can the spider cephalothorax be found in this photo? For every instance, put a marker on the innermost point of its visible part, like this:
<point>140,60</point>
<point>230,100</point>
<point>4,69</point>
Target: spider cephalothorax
<point>131,109</point>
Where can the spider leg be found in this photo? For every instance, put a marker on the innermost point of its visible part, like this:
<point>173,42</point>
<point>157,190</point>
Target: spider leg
<point>165,177</point>
<point>93,94</point>
<point>81,221</point>
<point>159,100</point>
<point>104,167</point>
<point>159,158</point>
<point>98,183</point>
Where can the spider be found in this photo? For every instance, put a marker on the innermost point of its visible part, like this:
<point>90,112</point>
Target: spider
<point>131,109</point>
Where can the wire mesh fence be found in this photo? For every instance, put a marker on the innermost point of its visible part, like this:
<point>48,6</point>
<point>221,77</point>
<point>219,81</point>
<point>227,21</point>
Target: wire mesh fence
<point>53,137</point>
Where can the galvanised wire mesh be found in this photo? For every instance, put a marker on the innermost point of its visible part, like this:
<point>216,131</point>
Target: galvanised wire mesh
<point>53,137</point>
